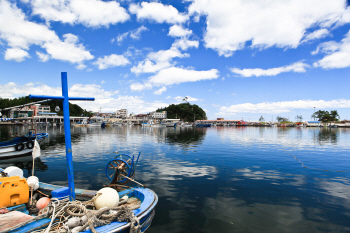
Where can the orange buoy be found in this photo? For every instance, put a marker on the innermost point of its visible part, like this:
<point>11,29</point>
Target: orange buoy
<point>42,203</point>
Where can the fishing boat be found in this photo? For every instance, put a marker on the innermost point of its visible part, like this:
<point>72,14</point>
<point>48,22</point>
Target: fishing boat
<point>67,209</point>
<point>153,123</point>
<point>20,146</point>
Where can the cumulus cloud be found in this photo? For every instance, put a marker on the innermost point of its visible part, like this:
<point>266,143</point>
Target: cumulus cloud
<point>156,61</point>
<point>175,75</point>
<point>43,57</point>
<point>160,91</point>
<point>232,24</point>
<point>179,31</point>
<point>16,54</point>
<point>111,61</point>
<point>338,54</point>
<point>19,33</point>
<point>298,67</point>
<point>140,86</point>
<point>185,43</point>
<point>316,35</point>
<point>284,106</point>
<point>68,50</point>
<point>108,100</point>
<point>157,12</point>
<point>189,98</point>
<point>91,13</point>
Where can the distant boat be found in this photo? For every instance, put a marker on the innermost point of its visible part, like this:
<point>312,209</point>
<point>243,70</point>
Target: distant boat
<point>20,146</point>
<point>153,124</point>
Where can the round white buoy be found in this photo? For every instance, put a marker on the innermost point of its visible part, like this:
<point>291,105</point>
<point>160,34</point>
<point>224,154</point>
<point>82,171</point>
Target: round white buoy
<point>33,182</point>
<point>109,197</point>
<point>14,171</point>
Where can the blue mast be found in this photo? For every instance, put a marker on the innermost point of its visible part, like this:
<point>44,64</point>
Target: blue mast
<point>67,133</point>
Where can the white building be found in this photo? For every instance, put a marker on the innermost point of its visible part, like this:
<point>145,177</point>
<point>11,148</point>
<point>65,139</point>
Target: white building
<point>44,109</point>
<point>122,113</point>
<point>159,115</point>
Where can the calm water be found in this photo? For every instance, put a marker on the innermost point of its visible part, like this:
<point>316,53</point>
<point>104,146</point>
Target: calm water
<point>238,179</point>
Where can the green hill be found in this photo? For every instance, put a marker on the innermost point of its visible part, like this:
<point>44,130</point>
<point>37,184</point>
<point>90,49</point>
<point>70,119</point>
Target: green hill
<point>184,111</point>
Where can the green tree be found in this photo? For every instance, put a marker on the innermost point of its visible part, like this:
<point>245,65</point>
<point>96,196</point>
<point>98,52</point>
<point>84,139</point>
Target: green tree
<point>261,119</point>
<point>279,119</point>
<point>325,116</point>
<point>184,111</point>
<point>299,118</point>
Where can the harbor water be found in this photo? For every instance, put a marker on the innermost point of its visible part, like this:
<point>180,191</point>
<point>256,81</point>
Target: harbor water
<point>220,179</point>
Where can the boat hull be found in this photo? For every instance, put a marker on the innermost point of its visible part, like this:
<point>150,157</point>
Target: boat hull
<point>144,214</point>
<point>9,151</point>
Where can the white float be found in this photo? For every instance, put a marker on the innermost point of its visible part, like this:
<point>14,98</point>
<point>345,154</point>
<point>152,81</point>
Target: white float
<point>109,197</point>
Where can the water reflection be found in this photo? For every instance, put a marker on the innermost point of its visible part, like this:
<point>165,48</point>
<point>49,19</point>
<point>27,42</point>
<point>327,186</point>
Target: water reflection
<point>223,179</point>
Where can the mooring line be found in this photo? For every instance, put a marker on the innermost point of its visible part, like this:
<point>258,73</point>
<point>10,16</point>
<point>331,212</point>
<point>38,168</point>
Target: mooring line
<point>317,169</point>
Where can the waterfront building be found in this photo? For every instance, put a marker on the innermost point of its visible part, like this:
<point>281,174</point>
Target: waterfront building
<point>159,115</point>
<point>121,113</point>
<point>43,108</point>
<point>25,111</point>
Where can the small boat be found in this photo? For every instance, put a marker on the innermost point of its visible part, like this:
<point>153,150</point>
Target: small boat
<point>153,124</point>
<point>145,197</point>
<point>20,146</point>
<point>55,213</point>
<point>203,125</point>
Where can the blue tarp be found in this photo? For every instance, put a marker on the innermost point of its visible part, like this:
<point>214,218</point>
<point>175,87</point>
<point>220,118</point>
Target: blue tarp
<point>314,122</point>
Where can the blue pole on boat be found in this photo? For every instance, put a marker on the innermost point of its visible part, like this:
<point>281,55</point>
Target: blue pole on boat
<point>67,133</point>
<point>67,136</point>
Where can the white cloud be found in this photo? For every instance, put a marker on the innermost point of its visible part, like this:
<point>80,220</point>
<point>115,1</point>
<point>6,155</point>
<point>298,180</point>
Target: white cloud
<point>282,107</point>
<point>175,75</point>
<point>16,54</point>
<point>168,97</point>
<point>18,33</point>
<point>140,86</point>
<point>111,61</point>
<point>43,57</point>
<point>135,34</point>
<point>108,100</point>
<point>233,24</point>
<point>184,43</point>
<point>338,54</point>
<point>68,50</point>
<point>156,61</point>
<point>160,91</point>
<point>179,31</point>
<point>316,35</point>
<point>91,13</point>
<point>157,12</point>
<point>298,67</point>
<point>121,37</point>
<point>189,98</point>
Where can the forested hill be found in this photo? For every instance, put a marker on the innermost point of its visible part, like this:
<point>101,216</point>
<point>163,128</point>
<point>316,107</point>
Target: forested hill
<point>185,112</point>
<point>75,110</point>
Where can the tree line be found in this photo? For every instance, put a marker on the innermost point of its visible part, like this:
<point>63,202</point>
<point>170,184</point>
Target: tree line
<point>74,109</point>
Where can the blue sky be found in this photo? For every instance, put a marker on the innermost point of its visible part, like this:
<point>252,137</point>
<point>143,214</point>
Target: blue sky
<point>234,58</point>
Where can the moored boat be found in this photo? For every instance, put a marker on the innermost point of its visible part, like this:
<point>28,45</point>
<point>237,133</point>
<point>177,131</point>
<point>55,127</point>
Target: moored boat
<point>20,146</point>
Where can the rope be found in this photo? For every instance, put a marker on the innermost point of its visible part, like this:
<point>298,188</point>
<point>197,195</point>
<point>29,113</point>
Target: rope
<point>317,169</point>
<point>65,210</point>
